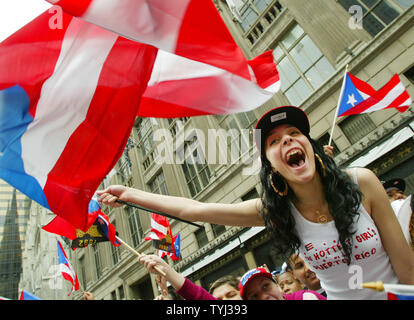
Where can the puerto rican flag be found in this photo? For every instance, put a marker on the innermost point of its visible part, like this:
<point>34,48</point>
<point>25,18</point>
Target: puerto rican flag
<point>64,90</point>
<point>63,228</point>
<point>66,268</point>
<point>359,97</point>
<point>25,295</point>
<point>159,228</point>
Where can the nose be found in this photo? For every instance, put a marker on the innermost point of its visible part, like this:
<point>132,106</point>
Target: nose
<point>286,139</point>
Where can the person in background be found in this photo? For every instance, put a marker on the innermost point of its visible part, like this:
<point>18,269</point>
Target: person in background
<point>301,271</point>
<point>288,283</point>
<point>259,284</point>
<point>88,295</point>
<point>395,189</point>
<point>225,288</point>
<point>403,207</point>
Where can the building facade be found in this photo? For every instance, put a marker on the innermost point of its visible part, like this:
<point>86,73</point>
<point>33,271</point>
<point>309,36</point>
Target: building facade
<point>213,158</point>
<point>14,214</point>
<point>41,275</point>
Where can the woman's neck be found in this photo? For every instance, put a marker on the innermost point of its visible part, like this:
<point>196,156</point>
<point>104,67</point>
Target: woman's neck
<point>310,194</point>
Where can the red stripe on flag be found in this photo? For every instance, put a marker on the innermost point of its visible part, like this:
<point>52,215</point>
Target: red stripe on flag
<point>151,107</point>
<point>95,147</point>
<point>75,8</point>
<point>264,68</point>
<point>204,37</point>
<point>362,85</point>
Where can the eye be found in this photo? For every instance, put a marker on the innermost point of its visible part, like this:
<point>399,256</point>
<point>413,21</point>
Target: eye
<point>295,132</point>
<point>274,141</point>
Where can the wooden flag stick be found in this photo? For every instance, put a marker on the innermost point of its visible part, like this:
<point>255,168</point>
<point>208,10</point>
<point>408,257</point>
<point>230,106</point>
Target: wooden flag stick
<point>394,288</point>
<point>138,254</point>
<point>338,105</point>
<point>160,213</point>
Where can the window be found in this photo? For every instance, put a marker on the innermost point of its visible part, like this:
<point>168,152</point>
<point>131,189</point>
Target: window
<point>135,226</point>
<point>248,11</point>
<point>355,127</point>
<point>121,292</point>
<point>302,66</point>
<point>410,74</point>
<point>218,229</point>
<point>82,271</point>
<point>195,168</point>
<point>201,237</point>
<point>98,262</point>
<point>145,137</point>
<point>377,14</point>
<point>240,129</point>
<point>158,184</point>
<point>113,295</point>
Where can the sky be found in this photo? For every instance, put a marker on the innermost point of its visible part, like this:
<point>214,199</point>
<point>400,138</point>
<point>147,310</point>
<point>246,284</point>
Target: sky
<point>14,14</point>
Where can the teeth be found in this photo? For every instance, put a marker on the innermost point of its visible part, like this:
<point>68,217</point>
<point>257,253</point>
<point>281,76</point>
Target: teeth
<point>294,152</point>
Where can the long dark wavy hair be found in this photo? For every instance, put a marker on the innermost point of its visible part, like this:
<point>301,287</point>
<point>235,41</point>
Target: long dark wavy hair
<point>342,194</point>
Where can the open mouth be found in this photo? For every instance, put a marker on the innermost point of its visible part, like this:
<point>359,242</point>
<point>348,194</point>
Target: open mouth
<point>295,158</point>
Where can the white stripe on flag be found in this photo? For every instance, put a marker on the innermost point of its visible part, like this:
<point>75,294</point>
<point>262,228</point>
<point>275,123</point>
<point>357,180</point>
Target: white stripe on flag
<point>393,94</point>
<point>158,227</point>
<point>155,22</point>
<point>180,73</point>
<point>70,88</point>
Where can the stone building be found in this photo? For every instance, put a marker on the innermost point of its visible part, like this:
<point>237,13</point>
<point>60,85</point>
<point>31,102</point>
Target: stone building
<point>14,214</point>
<point>312,42</point>
<point>40,270</point>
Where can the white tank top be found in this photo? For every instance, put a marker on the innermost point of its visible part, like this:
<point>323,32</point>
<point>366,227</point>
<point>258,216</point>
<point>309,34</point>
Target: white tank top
<point>321,250</point>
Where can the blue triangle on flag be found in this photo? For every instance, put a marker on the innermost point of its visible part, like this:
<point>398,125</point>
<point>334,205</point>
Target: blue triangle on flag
<point>350,97</point>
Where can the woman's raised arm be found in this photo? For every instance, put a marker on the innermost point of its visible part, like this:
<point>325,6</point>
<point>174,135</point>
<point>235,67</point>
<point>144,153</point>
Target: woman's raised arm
<point>246,213</point>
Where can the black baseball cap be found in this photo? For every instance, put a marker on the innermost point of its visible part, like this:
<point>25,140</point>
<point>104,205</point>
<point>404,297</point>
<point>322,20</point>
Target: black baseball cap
<point>277,116</point>
<point>396,183</point>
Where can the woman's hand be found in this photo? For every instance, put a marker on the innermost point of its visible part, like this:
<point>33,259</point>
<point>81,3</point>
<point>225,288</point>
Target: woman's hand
<point>152,261</point>
<point>113,193</point>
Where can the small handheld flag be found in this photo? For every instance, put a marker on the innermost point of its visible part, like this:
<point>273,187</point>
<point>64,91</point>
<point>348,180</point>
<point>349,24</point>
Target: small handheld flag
<point>28,296</point>
<point>359,97</point>
<point>68,272</point>
<point>395,291</point>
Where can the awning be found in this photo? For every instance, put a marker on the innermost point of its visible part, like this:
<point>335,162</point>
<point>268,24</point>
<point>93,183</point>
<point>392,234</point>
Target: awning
<point>377,152</point>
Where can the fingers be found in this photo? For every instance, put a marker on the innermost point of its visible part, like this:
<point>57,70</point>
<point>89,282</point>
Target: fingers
<point>109,200</point>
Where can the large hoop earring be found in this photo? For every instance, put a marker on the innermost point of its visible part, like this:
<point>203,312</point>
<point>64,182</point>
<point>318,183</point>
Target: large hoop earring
<point>317,156</point>
<point>280,193</point>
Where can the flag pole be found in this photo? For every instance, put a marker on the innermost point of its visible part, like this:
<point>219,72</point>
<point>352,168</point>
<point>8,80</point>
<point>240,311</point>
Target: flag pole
<point>160,213</point>
<point>338,105</point>
<point>138,254</point>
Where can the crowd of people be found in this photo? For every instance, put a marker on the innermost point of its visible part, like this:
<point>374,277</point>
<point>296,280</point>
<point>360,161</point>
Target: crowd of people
<point>324,218</point>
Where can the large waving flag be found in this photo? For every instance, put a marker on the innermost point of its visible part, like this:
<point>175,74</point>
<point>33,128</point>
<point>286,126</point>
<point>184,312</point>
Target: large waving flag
<point>68,272</point>
<point>198,55</point>
<point>63,90</point>
<point>359,97</point>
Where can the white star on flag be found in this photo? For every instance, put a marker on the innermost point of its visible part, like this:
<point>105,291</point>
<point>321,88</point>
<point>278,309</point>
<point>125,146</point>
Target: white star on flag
<point>351,99</point>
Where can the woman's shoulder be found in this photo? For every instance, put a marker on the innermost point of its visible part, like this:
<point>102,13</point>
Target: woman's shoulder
<point>360,174</point>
